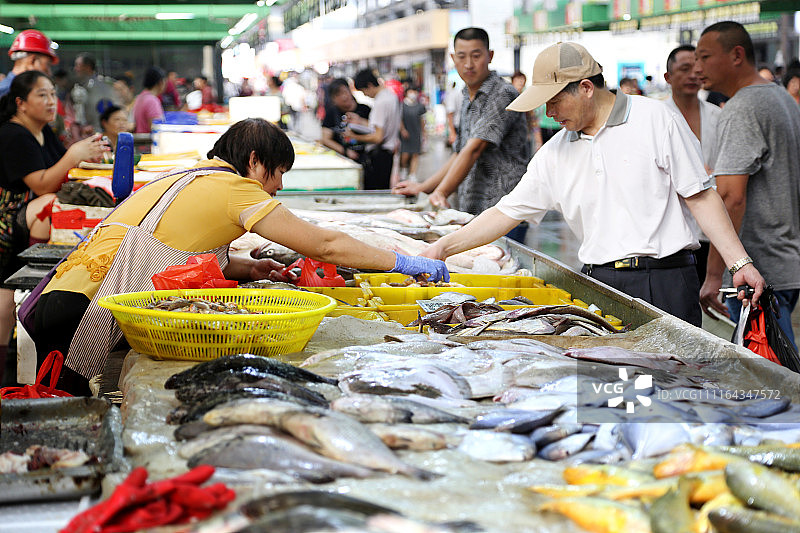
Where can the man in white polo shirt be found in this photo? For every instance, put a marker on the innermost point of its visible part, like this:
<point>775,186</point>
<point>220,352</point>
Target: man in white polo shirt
<point>622,172</point>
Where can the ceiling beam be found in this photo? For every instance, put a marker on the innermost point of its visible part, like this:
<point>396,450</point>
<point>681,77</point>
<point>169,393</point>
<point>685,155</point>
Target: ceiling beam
<point>130,10</point>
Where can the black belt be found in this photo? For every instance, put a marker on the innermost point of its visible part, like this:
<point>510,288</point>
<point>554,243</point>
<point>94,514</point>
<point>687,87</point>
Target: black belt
<point>683,258</point>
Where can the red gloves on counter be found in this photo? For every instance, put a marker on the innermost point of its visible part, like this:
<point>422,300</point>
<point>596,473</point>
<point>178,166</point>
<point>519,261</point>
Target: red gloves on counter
<point>136,505</point>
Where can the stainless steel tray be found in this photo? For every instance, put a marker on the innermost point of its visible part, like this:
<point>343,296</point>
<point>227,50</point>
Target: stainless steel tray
<point>91,425</point>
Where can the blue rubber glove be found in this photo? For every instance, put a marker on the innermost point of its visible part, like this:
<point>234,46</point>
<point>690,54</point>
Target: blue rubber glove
<point>413,265</point>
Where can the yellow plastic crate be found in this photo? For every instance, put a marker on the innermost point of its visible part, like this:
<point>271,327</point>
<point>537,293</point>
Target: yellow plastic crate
<point>409,295</point>
<point>342,295</point>
<point>288,321</point>
<point>468,280</point>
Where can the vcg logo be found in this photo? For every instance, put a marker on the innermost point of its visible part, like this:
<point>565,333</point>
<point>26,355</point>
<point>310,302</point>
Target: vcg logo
<point>642,382</point>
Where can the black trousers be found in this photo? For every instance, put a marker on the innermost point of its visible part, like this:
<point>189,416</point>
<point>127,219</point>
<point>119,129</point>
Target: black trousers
<point>673,290</point>
<point>377,168</point>
<point>58,314</point>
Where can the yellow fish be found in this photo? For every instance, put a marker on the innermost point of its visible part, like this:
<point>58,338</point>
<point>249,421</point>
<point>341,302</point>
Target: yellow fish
<point>600,515</point>
<point>689,458</point>
<point>566,491</point>
<point>587,474</point>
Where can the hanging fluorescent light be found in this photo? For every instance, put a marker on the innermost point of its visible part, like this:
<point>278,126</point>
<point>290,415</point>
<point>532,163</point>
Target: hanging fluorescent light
<point>243,24</point>
<point>270,3</point>
<point>226,42</point>
<point>174,16</point>
<point>6,29</point>
<point>54,45</point>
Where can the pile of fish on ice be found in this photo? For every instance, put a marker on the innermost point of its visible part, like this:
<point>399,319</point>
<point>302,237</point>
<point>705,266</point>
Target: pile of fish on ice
<point>507,401</point>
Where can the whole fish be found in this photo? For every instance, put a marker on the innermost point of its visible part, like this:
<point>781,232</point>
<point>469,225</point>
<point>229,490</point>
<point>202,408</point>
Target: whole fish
<point>565,447</point>
<point>409,437</point>
<point>764,408</point>
<point>621,356</point>
<point>671,513</point>
<point>343,438</point>
<point>543,436</point>
<point>423,379</point>
<point>496,447</point>
<point>736,519</point>
<point>305,519</point>
<point>782,457</point>
<point>689,458</point>
<point>600,515</point>
<point>243,362</point>
<point>261,411</point>
<point>605,475</point>
<point>193,392</point>
<point>319,499</point>
<point>514,420</point>
<point>280,453</point>
<point>369,408</point>
<point>218,436</point>
<point>188,413</point>
<point>763,489</point>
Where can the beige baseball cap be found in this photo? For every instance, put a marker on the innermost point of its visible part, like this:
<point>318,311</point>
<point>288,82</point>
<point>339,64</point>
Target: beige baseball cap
<point>554,68</point>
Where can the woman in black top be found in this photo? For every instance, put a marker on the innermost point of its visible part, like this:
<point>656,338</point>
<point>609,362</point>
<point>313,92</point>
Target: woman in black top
<point>33,165</point>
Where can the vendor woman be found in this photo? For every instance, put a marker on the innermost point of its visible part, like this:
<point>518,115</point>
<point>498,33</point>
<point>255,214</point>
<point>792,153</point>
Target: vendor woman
<point>184,214</point>
<point>33,165</point>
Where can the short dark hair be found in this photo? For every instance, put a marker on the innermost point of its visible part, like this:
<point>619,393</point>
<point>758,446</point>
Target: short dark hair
<point>673,56</point>
<point>597,80</point>
<point>87,60</point>
<point>790,75</point>
<point>364,78</point>
<point>272,147</point>
<point>472,34</point>
<point>732,34</point>
<point>21,87</point>
<point>519,74</point>
<point>152,77</point>
<point>277,81</point>
<point>110,110</point>
<point>338,85</point>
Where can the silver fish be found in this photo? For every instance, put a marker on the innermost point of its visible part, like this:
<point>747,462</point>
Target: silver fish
<point>404,378</point>
<point>545,435</point>
<point>565,447</point>
<point>652,439</point>
<point>343,438</point>
<point>369,408</point>
<point>514,420</point>
<point>494,447</point>
<point>410,437</point>
<point>218,436</point>
<point>279,453</point>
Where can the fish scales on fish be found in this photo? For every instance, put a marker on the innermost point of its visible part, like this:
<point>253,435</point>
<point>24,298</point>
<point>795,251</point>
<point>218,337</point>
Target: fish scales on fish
<point>196,392</point>
<point>762,488</point>
<point>217,436</point>
<point>242,362</point>
<point>277,452</point>
<point>737,519</point>
<point>307,519</point>
<point>320,499</point>
<point>620,356</point>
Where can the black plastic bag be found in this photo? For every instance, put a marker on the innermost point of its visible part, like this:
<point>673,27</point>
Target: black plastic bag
<point>763,335</point>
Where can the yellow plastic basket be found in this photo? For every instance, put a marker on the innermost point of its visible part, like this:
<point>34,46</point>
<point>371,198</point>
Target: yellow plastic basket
<point>288,321</point>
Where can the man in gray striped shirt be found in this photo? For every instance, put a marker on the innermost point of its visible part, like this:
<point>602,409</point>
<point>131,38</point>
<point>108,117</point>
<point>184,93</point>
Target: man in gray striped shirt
<point>491,150</point>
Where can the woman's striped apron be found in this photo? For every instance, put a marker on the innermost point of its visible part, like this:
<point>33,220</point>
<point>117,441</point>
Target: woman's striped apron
<point>139,257</point>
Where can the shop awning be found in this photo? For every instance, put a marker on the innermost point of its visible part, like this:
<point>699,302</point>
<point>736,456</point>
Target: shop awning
<point>130,21</point>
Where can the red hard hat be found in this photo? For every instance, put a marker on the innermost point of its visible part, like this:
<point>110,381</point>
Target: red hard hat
<point>33,41</point>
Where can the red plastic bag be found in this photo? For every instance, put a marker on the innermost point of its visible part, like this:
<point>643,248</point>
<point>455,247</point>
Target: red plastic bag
<point>53,364</point>
<point>310,278</point>
<point>200,272</point>
<point>758,331</point>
